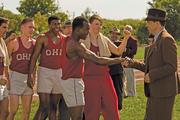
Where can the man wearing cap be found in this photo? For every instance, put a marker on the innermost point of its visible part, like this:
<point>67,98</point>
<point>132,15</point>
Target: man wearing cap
<point>116,71</point>
<point>130,51</point>
<point>160,68</point>
<point>67,28</point>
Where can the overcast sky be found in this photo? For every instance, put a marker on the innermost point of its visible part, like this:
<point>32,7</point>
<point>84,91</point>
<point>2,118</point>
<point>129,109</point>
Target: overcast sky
<point>110,9</point>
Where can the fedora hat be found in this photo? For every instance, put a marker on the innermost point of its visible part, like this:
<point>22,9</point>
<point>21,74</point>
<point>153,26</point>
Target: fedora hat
<point>116,30</point>
<point>67,23</point>
<point>156,14</point>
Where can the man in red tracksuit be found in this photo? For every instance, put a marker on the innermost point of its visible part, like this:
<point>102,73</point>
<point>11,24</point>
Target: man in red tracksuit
<point>100,94</point>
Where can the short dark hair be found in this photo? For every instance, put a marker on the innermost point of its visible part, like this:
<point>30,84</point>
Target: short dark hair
<point>26,20</point>
<point>95,17</point>
<point>78,22</point>
<point>3,20</point>
<point>53,17</point>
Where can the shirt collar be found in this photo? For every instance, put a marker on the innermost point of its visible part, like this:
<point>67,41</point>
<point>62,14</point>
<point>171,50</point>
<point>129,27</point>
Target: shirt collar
<point>157,35</point>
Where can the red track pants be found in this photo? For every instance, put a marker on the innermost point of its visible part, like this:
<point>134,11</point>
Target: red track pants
<point>100,97</point>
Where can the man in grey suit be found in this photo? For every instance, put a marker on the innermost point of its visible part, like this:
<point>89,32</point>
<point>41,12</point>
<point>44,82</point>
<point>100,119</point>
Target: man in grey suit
<point>160,68</point>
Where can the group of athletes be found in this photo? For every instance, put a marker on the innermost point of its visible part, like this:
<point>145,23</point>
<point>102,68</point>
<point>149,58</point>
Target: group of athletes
<point>72,68</point>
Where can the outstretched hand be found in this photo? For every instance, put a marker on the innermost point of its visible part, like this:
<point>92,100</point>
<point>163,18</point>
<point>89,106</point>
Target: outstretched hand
<point>126,61</point>
<point>126,34</point>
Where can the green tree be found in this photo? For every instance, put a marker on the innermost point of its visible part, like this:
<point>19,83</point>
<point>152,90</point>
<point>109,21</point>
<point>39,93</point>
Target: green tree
<point>62,16</point>
<point>31,7</point>
<point>14,20</point>
<point>88,12</point>
<point>173,9</point>
<point>109,24</point>
<point>142,33</point>
<point>41,23</point>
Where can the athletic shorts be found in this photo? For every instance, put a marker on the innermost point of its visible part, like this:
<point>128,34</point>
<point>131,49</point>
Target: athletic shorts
<point>18,84</point>
<point>49,80</point>
<point>73,92</point>
<point>3,91</point>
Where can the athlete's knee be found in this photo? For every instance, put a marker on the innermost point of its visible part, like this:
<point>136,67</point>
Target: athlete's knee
<point>13,110</point>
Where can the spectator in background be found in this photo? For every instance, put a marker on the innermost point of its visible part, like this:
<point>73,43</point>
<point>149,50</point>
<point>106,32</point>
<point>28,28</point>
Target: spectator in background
<point>130,51</point>
<point>150,39</point>
<point>4,63</point>
<point>116,71</point>
<point>67,28</point>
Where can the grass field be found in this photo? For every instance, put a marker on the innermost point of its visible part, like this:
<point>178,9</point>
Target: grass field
<point>140,53</point>
<point>133,107</point>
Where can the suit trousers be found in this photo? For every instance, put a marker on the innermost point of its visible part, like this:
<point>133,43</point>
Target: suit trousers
<point>159,108</point>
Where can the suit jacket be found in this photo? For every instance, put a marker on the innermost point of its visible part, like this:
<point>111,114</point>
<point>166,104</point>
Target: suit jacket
<point>131,47</point>
<point>146,85</point>
<point>161,64</point>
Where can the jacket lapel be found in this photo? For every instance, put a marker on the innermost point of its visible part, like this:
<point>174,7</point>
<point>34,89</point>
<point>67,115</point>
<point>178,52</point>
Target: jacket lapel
<point>155,45</point>
<point>151,49</point>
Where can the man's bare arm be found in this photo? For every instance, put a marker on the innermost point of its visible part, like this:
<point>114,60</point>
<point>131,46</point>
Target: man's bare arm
<point>36,52</point>
<point>83,52</point>
<point>120,49</point>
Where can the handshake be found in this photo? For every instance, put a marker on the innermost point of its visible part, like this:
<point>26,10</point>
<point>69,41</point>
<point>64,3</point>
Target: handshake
<point>127,62</point>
